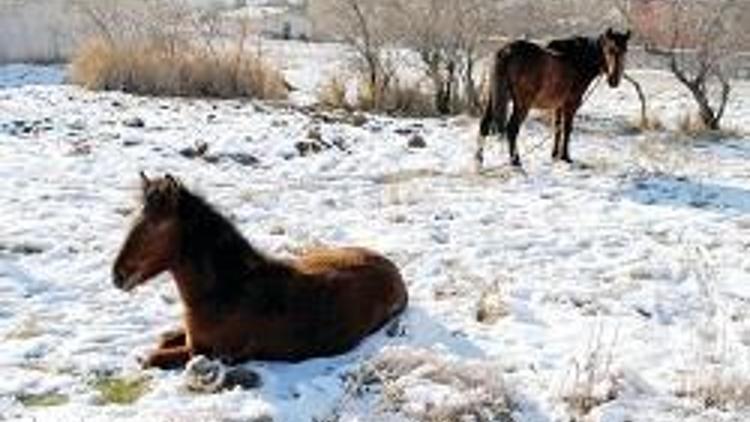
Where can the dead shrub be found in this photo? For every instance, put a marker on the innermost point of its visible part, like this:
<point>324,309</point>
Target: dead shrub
<point>147,67</point>
<point>650,124</point>
<point>395,98</point>
<point>332,93</point>
<point>408,100</point>
<point>469,390</point>
<point>691,125</point>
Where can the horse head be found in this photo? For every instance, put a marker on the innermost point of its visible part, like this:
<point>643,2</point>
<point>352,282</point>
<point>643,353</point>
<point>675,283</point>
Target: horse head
<point>614,46</point>
<point>152,245</point>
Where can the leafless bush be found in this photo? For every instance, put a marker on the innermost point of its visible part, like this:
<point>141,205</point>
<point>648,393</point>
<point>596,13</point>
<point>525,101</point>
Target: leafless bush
<point>163,48</point>
<point>444,37</point>
<point>363,25</point>
<point>447,36</point>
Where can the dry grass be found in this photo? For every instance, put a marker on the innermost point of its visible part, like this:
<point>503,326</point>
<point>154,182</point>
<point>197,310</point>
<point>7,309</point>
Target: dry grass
<point>593,383</point>
<point>719,391</point>
<point>469,390</point>
<point>648,123</point>
<point>715,377</point>
<point>492,305</point>
<point>394,97</point>
<point>332,93</point>
<point>690,124</point>
<point>148,67</point>
<point>670,154</point>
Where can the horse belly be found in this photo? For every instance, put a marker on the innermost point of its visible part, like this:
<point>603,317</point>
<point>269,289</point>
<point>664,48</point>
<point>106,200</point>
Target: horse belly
<point>241,336</point>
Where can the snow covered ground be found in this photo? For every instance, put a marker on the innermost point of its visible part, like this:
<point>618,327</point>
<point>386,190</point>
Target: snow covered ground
<point>617,285</point>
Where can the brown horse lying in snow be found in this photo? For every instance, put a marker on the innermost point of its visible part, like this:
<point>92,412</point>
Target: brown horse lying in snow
<point>241,304</point>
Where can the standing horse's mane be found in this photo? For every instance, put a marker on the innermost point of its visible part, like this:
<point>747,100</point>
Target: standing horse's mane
<point>581,50</point>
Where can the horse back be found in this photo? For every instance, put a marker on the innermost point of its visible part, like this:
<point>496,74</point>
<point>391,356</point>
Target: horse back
<point>363,287</point>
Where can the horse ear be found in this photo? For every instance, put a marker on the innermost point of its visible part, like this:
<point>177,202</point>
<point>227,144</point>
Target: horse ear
<point>173,181</point>
<point>610,32</point>
<point>145,182</point>
<point>628,33</point>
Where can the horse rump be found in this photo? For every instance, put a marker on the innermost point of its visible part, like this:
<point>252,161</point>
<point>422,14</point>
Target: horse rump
<point>495,114</point>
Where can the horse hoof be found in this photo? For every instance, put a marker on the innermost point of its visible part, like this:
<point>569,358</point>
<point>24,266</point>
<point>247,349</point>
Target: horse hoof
<point>478,161</point>
<point>205,375</point>
<point>242,377</point>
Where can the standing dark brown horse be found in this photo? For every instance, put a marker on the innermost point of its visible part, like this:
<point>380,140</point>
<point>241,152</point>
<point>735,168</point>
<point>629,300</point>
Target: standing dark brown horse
<point>555,78</point>
<point>241,304</point>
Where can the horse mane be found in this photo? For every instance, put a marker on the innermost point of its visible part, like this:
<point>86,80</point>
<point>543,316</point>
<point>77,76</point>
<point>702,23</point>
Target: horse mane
<point>579,50</point>
<point>217,251</point>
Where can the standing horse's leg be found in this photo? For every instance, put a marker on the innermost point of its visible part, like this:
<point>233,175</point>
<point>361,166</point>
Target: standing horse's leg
<point>479,155</point>
<point>514,125</point>
<point>558,133</point>
<point>568,116</point>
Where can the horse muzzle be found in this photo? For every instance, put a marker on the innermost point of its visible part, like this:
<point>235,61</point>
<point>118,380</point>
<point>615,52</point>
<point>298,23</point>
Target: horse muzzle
<point>124,281</point>
<point>613,81</point>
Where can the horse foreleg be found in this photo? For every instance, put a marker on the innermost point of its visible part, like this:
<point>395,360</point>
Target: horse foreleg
<point>168,358</point>
<point>173,338</point>
<point>567,129</point>
<point>558,134</point>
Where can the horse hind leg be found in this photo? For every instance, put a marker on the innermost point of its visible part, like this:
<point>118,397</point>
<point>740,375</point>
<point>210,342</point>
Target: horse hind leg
<point>479,154</point>
<point>514,126</point>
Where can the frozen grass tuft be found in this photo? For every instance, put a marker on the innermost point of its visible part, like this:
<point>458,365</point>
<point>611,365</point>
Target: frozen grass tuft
<point>408,384</point>
<point>592,382</point>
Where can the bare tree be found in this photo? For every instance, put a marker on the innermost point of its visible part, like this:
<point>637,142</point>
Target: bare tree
<point>364,25</point>
<point>697,41</point>
<point>447,36</point>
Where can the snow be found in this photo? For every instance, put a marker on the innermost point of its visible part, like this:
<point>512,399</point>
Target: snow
<point>625,277</point>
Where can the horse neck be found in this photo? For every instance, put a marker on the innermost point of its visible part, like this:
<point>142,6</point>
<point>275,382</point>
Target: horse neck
<point>214,261</point>
<point>216,275</point>
<point>593,60</point>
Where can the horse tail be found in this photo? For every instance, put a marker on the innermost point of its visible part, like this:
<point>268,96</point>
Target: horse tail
<point>496,110</point>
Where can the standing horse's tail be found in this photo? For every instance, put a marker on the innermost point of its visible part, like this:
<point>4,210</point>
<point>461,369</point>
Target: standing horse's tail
<point>496,111</point>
